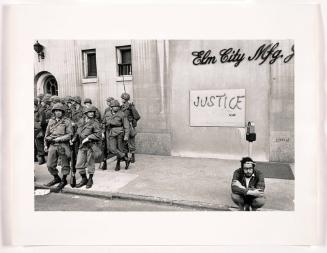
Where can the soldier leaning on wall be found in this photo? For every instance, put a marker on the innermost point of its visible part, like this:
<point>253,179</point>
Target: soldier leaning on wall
<point>133,117</point>
<point>117,127</point>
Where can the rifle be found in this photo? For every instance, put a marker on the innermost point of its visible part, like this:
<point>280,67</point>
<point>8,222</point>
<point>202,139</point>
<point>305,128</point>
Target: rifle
<point>73,171</point>
<point>74,143</point>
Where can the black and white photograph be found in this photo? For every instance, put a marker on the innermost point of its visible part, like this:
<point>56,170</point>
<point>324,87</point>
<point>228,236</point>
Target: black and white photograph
<point>164,125</point>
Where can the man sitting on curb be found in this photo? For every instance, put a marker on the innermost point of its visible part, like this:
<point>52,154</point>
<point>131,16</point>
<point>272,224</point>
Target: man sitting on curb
<point>248,186</point>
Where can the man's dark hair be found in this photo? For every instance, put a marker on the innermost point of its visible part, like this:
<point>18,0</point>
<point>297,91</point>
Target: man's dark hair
<point>247,159</point>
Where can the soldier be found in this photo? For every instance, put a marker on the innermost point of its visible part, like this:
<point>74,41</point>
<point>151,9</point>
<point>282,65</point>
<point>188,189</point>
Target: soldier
<point>89,132</point>
<point>56,142</point>
<point>55,99</point>
<point>39,125</point>
<point>77,109</point>
<point>118,133</point>
<point>107,113</point>
<point>133,116</point>
<point>77,114</point>
<point>47,109</point>
<point>68,105</point>
<point>88,103</point>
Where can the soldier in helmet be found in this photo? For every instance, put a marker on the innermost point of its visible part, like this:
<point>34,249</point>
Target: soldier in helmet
<point>55,99</point>
<point>39,125</point>
<point>77,109</point>
<point>133,116</point>
<point>68,105</point>
<point>47,108</point>
<point>117,128</point>
<point>107,113</point>
<point>56,142</point>
<point>77,112</point>
<point>89,133</point>
<point>88,103</point>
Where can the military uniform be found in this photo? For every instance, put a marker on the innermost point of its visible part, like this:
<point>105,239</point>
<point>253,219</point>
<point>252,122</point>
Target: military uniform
<point>106,117</point>
<point>88,129</point>
<point>47,109</point>
<point>118,130</point>
<point>77,114</point>
<point>97,112</point>
<point>132,116</point>
<point>39,125</point>
<point>57,136</point>
<point>105,142</point>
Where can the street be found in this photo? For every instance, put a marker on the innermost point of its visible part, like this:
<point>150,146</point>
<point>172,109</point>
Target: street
<point>70,202</point>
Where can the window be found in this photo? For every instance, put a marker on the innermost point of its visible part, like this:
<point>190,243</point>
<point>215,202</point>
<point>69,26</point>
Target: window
<point>124,60</point>
<point>89,63</point>
<point>50,86</point>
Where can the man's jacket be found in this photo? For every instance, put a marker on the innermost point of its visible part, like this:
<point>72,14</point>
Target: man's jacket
<point>77,114</point>
<point>39,122</point>
<point>61,129</point>
<point>257,181</point>
<point>131,113</point>
<point>89,129</point>
<point>117,123</point>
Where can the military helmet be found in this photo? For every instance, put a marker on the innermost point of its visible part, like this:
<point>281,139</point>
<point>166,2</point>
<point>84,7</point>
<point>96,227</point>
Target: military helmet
<point>58,106</point>
<point>36,102</point>
<point>55,99</point>
<point>46,100</point>
<point>91,108</point>
<point>109,99</point>
<point>125,96</point>
<point>77,99</point>
<point>87,100</point>
<point>114,103</point>
<point>67,99</point>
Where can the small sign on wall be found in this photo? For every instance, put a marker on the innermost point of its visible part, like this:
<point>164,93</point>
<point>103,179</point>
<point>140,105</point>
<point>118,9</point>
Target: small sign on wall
<point>217,107</point>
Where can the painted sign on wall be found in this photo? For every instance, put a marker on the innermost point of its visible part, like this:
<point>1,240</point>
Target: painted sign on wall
<point>217,107</point>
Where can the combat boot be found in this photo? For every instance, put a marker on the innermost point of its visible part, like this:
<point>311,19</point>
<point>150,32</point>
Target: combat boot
<point>133,158</point>
<point>83,181</point>
<point>56,180</point>
<point>41,159</point>
<point>117,164</point>
<point>104,165</point>
<point>90,181</point>
<point>127,162</point>
<point>60,186</point>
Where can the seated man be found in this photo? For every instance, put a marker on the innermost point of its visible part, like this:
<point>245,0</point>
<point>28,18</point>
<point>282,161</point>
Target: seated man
<point>248,186</point>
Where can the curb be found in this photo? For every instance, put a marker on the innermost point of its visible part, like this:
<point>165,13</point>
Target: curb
<point>142,198</point>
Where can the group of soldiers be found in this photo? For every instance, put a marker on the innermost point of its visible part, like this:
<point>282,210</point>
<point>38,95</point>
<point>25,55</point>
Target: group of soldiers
<point>75,136</point>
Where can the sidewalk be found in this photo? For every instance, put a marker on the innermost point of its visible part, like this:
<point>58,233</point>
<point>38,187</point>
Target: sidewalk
<point>195,182</point>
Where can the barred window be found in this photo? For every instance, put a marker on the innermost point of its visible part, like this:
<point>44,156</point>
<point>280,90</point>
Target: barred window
<point>124,60</point>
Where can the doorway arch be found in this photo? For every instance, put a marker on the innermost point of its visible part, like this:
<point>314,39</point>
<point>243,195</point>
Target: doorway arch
<point>46,83</point>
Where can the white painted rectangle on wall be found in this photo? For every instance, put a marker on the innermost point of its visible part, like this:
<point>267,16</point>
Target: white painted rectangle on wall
<point>217,107</point>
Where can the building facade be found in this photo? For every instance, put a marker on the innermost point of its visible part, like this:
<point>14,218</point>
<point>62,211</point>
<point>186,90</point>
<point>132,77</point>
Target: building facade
<point>160,74</point>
